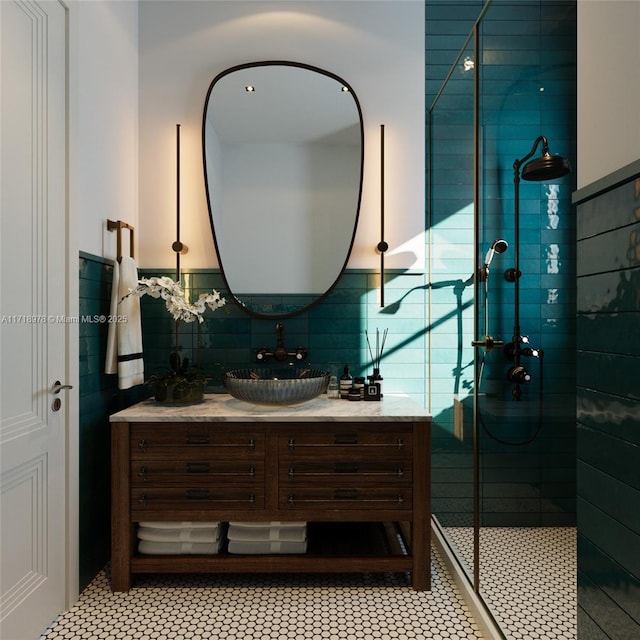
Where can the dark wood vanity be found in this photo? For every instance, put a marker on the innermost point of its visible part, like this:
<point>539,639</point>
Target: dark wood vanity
<point>357,473</point>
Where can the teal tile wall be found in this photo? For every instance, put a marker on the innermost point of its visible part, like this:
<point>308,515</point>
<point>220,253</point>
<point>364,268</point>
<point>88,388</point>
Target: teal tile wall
<point>99,397</point>
<point>608,267</point>
<point>527,88</point>
<point>333,331</point>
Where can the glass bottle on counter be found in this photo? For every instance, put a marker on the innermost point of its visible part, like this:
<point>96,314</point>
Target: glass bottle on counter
<point>333,390</point>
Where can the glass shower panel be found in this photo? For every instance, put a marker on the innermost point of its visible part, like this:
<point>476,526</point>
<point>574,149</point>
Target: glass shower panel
<point>526,431</point>
<point>451,227</point>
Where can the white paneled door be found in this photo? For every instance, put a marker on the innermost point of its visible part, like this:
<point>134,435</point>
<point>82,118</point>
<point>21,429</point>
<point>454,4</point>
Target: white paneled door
<point>33,415</point>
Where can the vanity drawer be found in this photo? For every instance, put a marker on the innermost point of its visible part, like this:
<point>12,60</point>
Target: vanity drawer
<point>346,498</point>
<point>196,471</point>
<point>352,471</point>
<point>190,498</point>
<point>204,440</point>
<point>346,443</point>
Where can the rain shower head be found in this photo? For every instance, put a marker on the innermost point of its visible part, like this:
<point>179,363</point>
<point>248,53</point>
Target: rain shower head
<point>547,167</point>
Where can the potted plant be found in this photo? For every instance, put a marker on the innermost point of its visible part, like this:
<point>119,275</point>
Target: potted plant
<point>182,383</point>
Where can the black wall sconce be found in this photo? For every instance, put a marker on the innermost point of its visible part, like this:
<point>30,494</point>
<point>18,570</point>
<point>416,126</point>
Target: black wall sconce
<point>382,246</point>
<point>178,246</point>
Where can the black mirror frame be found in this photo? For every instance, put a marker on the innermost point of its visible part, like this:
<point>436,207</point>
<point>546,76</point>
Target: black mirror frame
<point>320,297</point>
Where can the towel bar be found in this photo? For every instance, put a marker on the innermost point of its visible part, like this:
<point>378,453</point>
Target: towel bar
<point>119,226</point>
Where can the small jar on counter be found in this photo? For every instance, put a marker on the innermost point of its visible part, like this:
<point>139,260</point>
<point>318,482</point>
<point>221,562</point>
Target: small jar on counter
<point>358,383</point>
<point>354,394</point>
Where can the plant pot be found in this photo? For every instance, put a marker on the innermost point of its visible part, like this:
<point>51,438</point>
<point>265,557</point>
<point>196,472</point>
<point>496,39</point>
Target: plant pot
<point>178,390</point>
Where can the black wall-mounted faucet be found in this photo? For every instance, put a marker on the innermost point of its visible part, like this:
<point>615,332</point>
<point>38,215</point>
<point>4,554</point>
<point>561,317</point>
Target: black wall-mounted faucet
<point>280,353</point>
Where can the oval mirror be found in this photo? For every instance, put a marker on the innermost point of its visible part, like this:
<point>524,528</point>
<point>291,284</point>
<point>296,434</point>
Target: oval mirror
<point>283,147</point>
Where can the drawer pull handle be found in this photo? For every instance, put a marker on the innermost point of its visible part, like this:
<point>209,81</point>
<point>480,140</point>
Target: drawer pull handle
<point>198,494</point>
<point>142,499</point>
<point>345,467</point>
<point>198,438</point>
<point>252,498</point>
<point>400,472</point>
<point>142,444</point>
<point>252,444</point>
<point>345,494</point>
<point>345,438</point>
<point>292,472</point>
<point>400,443</point>
<point>292,444</point>
<point>198,467</point>
<point>143,473</point>
<point>252,472</point>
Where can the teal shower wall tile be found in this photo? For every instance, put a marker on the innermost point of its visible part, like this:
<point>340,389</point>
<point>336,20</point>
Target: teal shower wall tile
<point>609,210</point>
<point>612,332</point>
<point>610,455</point>
<point>505,475</point>
<point>609,495</point>
<point>608,534</point>
<point>611,373</point>
<point>609,413</point>
<point>613,292</point>
<point>614,250</point>
<point>601,577</point>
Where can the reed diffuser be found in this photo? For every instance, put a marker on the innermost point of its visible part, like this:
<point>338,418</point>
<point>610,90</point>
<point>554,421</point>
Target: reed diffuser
<point>373,390</point>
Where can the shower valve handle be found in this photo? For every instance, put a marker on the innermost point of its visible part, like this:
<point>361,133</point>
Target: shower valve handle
<point>518,375</point>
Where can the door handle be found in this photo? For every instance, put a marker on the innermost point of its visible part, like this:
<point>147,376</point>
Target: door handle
<point>58,387</point>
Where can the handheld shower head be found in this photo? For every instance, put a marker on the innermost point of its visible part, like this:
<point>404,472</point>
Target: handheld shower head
<point>497,246</point>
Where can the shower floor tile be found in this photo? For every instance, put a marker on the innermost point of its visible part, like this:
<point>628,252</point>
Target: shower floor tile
<point>527,578</point>
<point>263,606</point>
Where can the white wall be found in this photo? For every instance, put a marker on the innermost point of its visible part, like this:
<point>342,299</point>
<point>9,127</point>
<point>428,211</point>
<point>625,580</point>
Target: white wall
<point>376,45</point>
<point>103,120</point>
<point>608,87</point>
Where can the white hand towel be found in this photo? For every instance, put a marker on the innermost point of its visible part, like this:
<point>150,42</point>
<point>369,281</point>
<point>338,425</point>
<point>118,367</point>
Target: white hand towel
<point>179,525</point>
<point>263,534</point>
<point>240,546</point>
<point>173,548</point>
<point>124,339</point>
<point>179,535</point>
<point>273,523</point>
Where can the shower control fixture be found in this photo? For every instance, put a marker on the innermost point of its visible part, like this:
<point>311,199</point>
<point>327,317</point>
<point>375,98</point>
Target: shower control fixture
<point>518,375</point>
<point>514,351</point>
<point>497,246</point>
<point>545,167</point>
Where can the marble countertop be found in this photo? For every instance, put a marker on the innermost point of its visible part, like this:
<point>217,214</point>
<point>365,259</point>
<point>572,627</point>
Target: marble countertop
<point>225,408</point>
